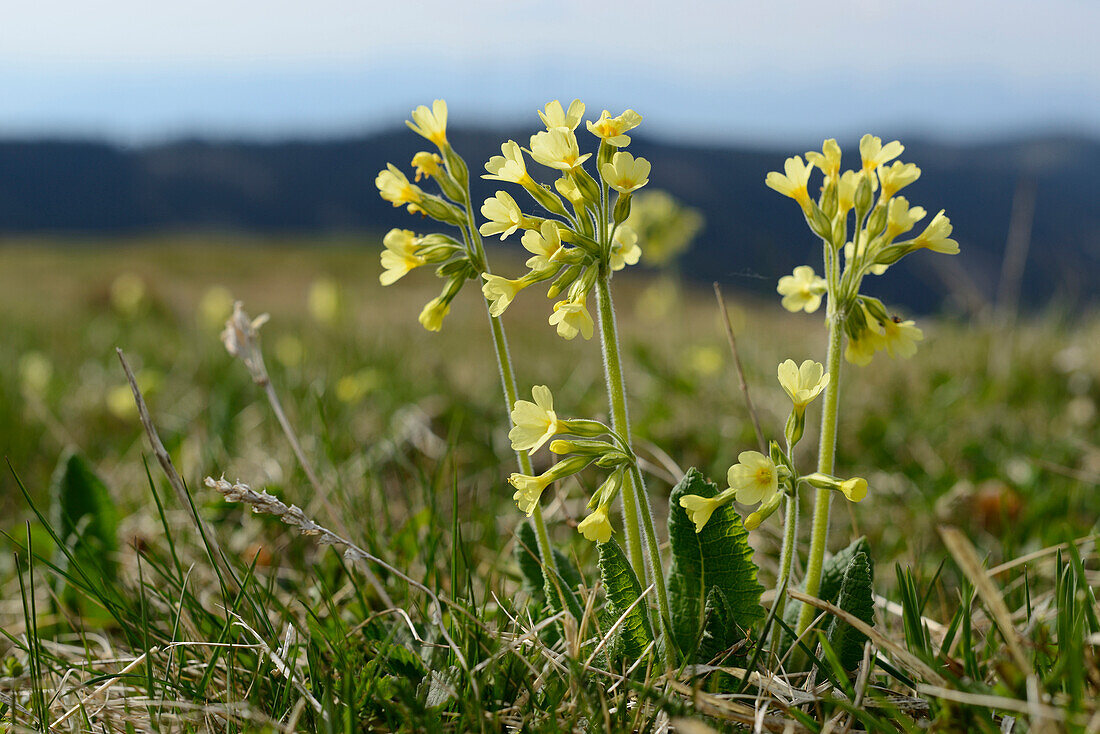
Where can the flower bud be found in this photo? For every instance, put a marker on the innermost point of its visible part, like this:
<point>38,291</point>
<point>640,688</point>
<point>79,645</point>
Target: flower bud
<point>855,489</point>
<point>457,168</point>
<point>762,513</point>
<point>604,155</point>
<point>877,222</point>
<point>796,426</point>
<point>622,208</point>
<point>585,428</point>
<point>829,199</point>
<point>613,459</point>
<point>564,280</point>
<point>587,185</point>
<point>546,199</point>
<point>441,211</point>
<point>581,447</point>
<point>863,196</point>
<point>819,223</point>
<point>452,268</point>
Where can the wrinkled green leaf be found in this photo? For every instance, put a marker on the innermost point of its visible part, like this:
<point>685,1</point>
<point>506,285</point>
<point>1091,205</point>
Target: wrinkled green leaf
<point>832,577</point>
<point>84,513</point>
<point>721,633</point>
<point>718,557</point>
<point>856,598</point>
<point>623,589</point>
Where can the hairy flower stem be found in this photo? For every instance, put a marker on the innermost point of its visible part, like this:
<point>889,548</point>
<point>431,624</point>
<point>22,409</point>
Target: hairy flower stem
<point>508,382</point>
<point>634,492</point>
<point>786,558</point>
<point>825,460</point>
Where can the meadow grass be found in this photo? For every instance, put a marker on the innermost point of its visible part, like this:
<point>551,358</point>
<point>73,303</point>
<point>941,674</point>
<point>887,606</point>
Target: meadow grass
<point>987,430</point>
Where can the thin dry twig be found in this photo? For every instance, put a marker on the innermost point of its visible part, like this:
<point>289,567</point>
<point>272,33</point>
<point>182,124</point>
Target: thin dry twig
<point>967,558</point>
<point>174,479</point>
<point>94,694</point>
<point>740,369</point>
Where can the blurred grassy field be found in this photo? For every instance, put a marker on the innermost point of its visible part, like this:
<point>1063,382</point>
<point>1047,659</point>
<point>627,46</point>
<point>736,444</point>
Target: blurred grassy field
<point>980,423</point>
<point>990,429</point>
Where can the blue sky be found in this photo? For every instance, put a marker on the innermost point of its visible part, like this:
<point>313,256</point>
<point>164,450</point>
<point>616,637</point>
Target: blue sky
<point>697,69</point>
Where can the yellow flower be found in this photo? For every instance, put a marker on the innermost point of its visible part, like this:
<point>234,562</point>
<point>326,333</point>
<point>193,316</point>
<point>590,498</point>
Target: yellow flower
<point>754,477</point>
<point>596,527</point>
<point>900,338</point>
<point>535,423</point>
<point>570,191</point>
<point>937,236</point>
<point>793,183</point>
<point>625,173</point>
<point>846,192</point>
<point>426,164</point>
<point>324,299</point>
<point>861,350</point>
<point>610,129</point>
<point>432,124</point>
<point>699,509</point>
<point>802,383</point>
<point>35,373</point>
<point>395,188</point>
<point>431,317</point>
<point>555,117</point>
<point>624,248</point>
<point>897,176</point>
<point>215,306</point>
<point>128,294</point>
<point>855,489</point>
<point>399,257</point>
<point>529,489</point>
<point>801,291</point>
<point>557,148</point>
<point>572,318</point>
<point>828,160</point>
<point>875,154</point>
<point>503,213</point>
<point>500,292</point>
<point>545,246</point>
<point>900,218</point>
<point>509,166</point>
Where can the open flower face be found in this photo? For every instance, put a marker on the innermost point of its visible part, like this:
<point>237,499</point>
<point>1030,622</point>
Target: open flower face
<point>804,382</point>
<point>431,124</point>
<point>545,246</point>
<point>624,248</point>
<point>754,477</point>
<point>572,318</point>
<point>553,116</point>
<point>399,257</point>
<point>900,217</point>
<point>625,173</point>
<point>801,291</point>
<point>557,148</point>
<point>897,176</point>
<point>793,181</point>
<point>535,422</point>
<point>503,213</point>
<point>509,166</point>
<point>900,338</point>
<point>611,129</point>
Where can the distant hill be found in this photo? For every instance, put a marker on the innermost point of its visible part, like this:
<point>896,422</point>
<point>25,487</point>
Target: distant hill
<point>752,235</point>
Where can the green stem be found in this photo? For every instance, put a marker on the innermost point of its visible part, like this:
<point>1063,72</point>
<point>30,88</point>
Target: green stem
<point>620,423</point>
<point>634,486</point>
<point>786,558</point>
<point>508,382</point>
<point>825,460</point>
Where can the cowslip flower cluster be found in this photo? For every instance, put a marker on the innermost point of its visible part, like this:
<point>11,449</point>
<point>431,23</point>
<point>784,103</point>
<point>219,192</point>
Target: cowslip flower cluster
<point>764,480</point>
<point>872,232</point>
<point>581,231</point>
<point>534,423</point>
